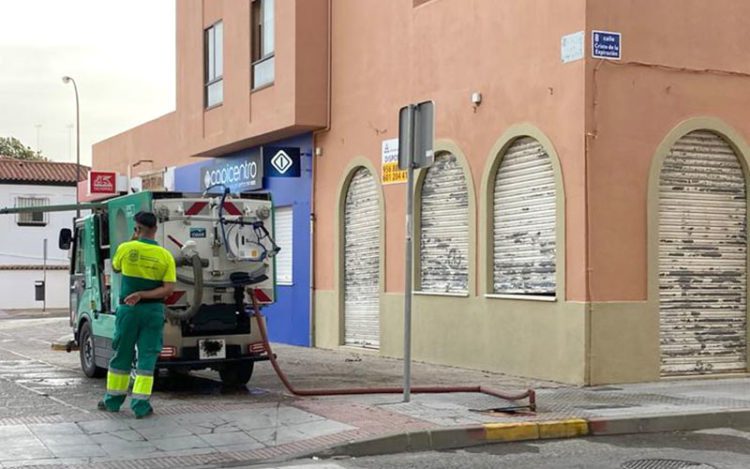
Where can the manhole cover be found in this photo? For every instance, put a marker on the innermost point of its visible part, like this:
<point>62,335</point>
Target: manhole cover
<point>665,464</point>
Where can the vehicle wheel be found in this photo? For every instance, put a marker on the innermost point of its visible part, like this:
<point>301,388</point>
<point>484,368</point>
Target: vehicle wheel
<point>235,375</point>
<point>87,353</point>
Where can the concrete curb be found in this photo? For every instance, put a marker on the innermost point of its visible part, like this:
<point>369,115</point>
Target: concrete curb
<point>464,437</point>
<point>600,426</point>
<point>460,437</point>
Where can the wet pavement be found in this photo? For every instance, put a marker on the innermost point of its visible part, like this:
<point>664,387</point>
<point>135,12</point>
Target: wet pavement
<point>48,410</point>
<point>48,407</point>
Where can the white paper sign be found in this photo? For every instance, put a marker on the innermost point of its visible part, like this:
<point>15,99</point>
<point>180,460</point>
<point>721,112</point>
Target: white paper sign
<point>572,47</point>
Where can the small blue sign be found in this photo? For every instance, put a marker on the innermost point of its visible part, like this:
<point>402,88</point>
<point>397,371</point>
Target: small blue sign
<point>197,232</point>
<point>281,162</point>
<point>606,45</point>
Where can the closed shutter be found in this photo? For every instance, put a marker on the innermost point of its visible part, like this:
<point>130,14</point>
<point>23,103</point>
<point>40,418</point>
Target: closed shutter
<point>284,239</point>
<point>362,262</point>
<point>444,223</point>
<point>524,222</point>
<point>702,258</point>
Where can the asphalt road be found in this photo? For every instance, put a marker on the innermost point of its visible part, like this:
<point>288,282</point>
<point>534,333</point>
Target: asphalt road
<point>720,448</point>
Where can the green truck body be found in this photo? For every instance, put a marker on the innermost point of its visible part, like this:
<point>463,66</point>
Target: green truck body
<point>208,322</point>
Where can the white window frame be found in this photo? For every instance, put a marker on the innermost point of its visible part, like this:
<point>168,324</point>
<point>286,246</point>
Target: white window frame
<point>26,219</point>
<point>213,59</point>
<point>263,48</point>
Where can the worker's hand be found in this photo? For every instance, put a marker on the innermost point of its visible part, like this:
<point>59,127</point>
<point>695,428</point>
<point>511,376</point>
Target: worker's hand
<point>133,299</point>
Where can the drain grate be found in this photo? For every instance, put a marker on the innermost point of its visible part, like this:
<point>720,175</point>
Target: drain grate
<point>665,464</point>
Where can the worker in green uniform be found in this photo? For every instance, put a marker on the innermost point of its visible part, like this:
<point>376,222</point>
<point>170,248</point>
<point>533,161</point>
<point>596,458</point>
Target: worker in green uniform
<point>148,278</point>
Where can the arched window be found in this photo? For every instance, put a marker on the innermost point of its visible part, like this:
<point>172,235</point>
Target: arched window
<point>702,258</point>
<point>524,222</point>
<point>444,228</point>
<point>362,261</point>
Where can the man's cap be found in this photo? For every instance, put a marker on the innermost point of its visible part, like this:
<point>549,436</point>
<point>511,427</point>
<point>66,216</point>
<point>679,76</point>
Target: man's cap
<point>146,219</point>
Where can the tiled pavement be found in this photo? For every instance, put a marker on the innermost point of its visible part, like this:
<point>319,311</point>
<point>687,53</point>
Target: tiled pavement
<point>47,417</point>
<point>184,436</point>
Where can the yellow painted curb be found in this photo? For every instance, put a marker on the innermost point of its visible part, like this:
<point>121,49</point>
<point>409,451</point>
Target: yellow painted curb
<point>563,429</point>
<point>511,431</point>
<point>535,430</point>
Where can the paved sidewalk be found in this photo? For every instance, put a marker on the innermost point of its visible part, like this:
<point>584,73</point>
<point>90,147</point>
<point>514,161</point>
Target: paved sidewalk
<point>214,435</point>
<point>198,424</point>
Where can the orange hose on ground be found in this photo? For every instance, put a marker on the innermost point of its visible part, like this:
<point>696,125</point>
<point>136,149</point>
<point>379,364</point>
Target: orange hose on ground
<point>529,393</point>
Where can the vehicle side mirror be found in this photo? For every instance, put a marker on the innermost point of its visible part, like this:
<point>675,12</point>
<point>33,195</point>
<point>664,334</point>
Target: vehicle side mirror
<point>66,239</point>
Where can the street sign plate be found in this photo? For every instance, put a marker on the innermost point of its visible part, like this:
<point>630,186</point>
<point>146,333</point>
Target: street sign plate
<point>424,138</point>
<point>416,136</point>
<point>405,136</point>
<point>606,45</point>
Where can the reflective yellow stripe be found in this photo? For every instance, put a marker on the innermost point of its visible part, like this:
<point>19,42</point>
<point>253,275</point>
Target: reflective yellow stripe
<point>143,385</point>
<point>117,382</point>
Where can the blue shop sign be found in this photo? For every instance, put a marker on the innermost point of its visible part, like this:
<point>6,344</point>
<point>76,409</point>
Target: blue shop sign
<point>238,174</point>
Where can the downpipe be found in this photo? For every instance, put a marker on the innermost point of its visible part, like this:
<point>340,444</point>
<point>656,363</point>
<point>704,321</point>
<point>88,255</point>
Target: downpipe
<point>529,393</point>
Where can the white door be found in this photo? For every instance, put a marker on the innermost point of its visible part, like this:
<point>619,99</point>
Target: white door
<point>284,239</point>
<point>524,222</point>
<point>702,258</point>
<point>362,262</point>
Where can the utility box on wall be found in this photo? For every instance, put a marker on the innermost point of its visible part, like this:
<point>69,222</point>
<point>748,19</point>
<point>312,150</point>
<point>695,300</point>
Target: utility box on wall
<point>39,290</point>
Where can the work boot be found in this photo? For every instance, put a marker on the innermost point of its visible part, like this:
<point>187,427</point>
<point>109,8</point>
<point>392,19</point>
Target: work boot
<point>103,407</point>
<point>148,413</point>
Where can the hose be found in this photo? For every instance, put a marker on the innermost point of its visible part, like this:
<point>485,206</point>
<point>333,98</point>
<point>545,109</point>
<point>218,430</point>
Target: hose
<point>529,393</point>
<point>197,283</point>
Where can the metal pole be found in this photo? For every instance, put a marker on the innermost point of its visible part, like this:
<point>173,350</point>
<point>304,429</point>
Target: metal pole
<point>409,252</point>
<point>67,79</point>
<point>44,275</point>
<point>78,150</point>
<point>38,147</point>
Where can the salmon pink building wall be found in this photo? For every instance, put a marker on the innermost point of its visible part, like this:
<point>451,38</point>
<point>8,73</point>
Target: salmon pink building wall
<point>682,60</point>
<point>389,54</point>
<point>296,103</point>
<point>602,122</point>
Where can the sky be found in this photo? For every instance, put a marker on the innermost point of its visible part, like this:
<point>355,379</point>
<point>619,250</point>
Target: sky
<point>120,53</point>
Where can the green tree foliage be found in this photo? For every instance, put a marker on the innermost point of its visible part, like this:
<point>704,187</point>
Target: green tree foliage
<point>11,147</point>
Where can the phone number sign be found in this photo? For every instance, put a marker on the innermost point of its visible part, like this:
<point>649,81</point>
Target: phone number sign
<point>390,172</point>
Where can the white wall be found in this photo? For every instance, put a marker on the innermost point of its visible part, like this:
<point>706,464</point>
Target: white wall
<point>17,289</point>
<point>22,245</point>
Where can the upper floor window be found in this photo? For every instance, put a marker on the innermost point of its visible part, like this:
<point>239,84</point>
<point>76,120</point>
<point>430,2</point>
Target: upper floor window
<point>262,23</point>
<point>214,64</point>
<point>31,218</point>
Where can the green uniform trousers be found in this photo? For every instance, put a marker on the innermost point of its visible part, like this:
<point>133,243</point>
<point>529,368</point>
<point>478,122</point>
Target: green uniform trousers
<point>138,326</point>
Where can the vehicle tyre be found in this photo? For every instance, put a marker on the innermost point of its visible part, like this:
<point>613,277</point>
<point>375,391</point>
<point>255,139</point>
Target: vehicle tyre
<point>88,353</point>
<point>236,374</point>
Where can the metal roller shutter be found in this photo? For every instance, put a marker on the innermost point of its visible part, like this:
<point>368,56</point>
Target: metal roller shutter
<point>362,262</point>
<point>283,238</point>
<point>524,222</point>
<point>444,222</point>
<point>702,258</point>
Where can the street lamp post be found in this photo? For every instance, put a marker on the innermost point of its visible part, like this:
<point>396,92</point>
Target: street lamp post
<point>66,80</point>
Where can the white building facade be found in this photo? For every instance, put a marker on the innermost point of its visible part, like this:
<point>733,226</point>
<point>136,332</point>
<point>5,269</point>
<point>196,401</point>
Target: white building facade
<point>22,236</point>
